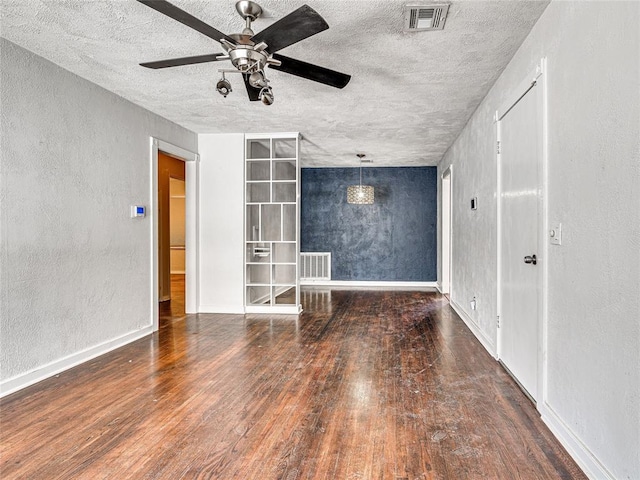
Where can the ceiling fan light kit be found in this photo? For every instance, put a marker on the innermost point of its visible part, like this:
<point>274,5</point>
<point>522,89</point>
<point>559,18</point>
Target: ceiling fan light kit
<point>252,53</point>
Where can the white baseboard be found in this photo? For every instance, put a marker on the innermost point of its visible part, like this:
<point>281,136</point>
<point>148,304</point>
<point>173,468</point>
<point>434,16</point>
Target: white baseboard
<point>370,284</point>
<point>486,342</point>
<point>439,287</point>
<point>275,310</point>
<point>231,309</point>
<point>38,374</point>
<point>585,459</point>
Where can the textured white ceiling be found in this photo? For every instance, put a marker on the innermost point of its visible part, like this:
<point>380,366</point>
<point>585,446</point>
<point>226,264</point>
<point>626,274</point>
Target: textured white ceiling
<point>409,96</point>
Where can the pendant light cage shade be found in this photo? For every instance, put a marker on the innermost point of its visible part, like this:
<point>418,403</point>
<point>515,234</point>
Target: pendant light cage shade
<point>360,194</point>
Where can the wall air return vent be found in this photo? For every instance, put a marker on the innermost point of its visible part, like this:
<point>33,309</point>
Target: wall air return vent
<point>424,17</point>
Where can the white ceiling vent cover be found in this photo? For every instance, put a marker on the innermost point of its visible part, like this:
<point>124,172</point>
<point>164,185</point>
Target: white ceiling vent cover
<point>424,17</point>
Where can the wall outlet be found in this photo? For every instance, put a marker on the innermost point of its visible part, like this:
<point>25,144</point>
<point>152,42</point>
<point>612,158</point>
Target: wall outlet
<point>474,304</point>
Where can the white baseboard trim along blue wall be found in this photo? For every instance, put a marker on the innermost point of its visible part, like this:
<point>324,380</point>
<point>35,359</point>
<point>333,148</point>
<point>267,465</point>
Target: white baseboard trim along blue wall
<point>431,286</point>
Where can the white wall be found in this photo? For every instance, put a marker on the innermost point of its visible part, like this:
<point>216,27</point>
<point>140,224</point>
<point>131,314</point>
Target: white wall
<point>592,395</point>
<point>221,223</point>
<point>75,274</point>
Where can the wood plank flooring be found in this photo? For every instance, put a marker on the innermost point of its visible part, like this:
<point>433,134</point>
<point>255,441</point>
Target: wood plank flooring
<point>363,385</point>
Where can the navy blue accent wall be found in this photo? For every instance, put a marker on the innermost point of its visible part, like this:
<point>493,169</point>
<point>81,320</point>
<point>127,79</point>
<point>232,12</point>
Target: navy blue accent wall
<point>392,240</point>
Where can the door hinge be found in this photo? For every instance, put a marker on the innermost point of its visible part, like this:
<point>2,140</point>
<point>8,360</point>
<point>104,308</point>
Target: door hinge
<point>498,321</point>
<point>498,147</point>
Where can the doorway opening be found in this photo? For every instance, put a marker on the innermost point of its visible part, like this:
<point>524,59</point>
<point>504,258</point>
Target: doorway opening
<point>445,280</point>
<point>171,235</point>
<point>181,165</point>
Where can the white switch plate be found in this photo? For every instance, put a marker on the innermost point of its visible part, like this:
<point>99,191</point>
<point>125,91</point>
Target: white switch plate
<point>555,234</point>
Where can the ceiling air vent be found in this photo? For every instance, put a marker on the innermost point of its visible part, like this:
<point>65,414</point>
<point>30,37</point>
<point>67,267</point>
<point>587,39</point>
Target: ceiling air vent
<point>424,17</point>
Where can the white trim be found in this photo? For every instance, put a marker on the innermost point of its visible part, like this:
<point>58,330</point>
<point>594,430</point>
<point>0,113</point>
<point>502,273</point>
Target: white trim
<point>585,459</point>
<point>192,176</point>
<point>43,372</point>
<point>274,309</point>
<point>543,240</point>
<point>498,137</point>
<point>251,136</point>
<point>446,174</point>
<point>230,309</point>
<point>362,283</point>
<point>192,167</point>
<point>176,151</point>
<point>439,287</point>
<point>153,200</point>
<point>479,334</point>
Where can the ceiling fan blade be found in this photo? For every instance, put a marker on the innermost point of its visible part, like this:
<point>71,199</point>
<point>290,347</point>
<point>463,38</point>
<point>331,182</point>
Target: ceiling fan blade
<point>298,25</point>
<point>253,92</point>
<point>177,62</point>
<point>187,19</point>
<point>311,72</point>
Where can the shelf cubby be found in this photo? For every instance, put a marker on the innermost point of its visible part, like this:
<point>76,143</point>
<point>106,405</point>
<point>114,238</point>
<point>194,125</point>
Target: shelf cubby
<point>272,192</point>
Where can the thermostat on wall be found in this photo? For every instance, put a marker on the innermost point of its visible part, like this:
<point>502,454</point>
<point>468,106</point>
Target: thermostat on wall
<point>138,211</point>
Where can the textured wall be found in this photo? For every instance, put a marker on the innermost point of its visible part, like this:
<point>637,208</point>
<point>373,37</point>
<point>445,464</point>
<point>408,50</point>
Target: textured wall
<point>593,335</point>
<point>392,240</point>
<point>75,268</point>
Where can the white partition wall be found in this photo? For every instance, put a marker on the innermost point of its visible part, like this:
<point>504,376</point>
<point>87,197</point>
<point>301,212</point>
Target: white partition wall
<point>267,179</point>
<point>221,220</point>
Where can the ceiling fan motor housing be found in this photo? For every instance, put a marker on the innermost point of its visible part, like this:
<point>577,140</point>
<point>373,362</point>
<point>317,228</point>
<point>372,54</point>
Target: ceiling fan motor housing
<point>245,58</point>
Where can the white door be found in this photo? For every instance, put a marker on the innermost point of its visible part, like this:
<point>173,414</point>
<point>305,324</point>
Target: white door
<point>520,161</point>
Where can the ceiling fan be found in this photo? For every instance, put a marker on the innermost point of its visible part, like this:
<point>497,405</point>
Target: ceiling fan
<point>250,53</point>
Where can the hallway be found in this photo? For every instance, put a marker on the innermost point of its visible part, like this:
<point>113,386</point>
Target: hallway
<point>364,385</point>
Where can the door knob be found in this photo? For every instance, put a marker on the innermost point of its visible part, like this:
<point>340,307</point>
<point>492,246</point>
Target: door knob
<point>530,259</point>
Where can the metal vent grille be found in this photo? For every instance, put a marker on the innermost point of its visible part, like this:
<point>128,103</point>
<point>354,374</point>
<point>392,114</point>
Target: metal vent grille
<point>424,17</point>
<point>315,266</point>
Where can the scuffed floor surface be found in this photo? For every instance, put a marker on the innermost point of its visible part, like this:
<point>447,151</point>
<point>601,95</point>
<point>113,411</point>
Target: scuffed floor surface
<point>364,385</point>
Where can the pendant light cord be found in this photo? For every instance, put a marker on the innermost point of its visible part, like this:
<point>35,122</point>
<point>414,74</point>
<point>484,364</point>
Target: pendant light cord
<point>360,156</point>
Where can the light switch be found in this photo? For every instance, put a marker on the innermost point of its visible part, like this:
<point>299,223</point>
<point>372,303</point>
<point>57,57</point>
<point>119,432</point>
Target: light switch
<point>555,234</point>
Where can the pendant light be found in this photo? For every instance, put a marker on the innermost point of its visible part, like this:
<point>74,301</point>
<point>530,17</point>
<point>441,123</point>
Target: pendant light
<point>360,194</point>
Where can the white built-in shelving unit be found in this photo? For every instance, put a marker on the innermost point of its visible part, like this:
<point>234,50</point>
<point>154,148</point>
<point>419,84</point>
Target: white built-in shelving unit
<point>272,212</point>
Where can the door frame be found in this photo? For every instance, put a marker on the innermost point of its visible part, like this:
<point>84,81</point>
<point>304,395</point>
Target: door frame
<point>446,287</point>
<point>537,82</point>
<point>192,167</point>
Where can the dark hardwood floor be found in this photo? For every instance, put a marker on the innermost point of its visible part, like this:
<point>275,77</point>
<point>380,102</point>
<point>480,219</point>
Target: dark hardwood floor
<point>174,309</point>
<point>363,385</point>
